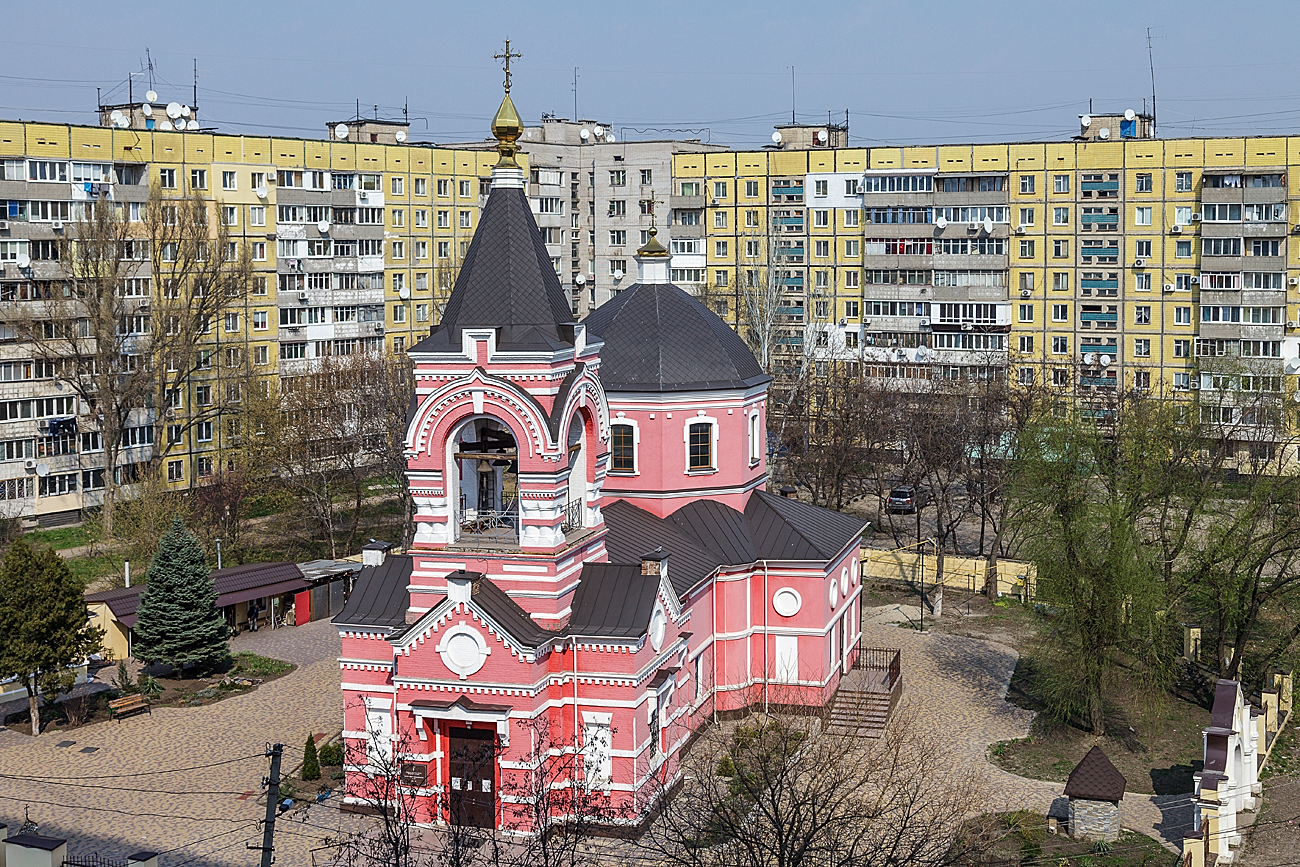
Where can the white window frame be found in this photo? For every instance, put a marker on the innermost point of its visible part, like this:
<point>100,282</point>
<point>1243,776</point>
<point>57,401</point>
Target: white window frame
<point>686,446</point>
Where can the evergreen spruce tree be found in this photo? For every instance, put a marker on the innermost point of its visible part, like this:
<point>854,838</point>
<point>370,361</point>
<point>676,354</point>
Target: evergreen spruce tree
<point>44,623</point>
<point>310,760</point>
<point>179,623</point>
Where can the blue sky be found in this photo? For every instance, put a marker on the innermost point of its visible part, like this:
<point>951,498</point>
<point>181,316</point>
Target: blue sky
<point>907,72</point>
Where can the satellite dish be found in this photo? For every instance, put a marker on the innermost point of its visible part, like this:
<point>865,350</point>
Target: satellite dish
<point>42,470</point>
<point>921,353</point>
<point>151,96</point>
<point>1105,360</point>
<point>1085,121</point>
<point>1296,397</point>
<point>941,222</point>
<point>185,111</point>
<point>173,109</point>
<point>1129,114</point>
<point>988,227</point>
<point>580,279</point>
<point>341,131</point>
<point>585,134</point>
<point>1103,133</point>
<point>323,226</point>
<point>124,121</point>
<point>776,137</point>
<point>24,260</point>
<point>820,136</point>
<point>193,124</point>
<point>618,273</point>
<point>165,125</point>
<point>1090,358</point>
<point>261,192</point>
<point>146,110</point>
<point>610,138</point>
<point>598,130</point>
<point>400,136</point>
<point>115,115</point>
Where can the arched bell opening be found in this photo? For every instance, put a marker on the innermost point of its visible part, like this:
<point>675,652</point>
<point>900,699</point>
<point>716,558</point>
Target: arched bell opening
<point>485,460</point>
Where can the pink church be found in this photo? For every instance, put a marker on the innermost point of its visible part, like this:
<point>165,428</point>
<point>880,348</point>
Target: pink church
<point>595,551</point>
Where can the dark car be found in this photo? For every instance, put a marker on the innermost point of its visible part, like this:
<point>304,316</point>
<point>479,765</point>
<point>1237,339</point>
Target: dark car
<point>905,498</point>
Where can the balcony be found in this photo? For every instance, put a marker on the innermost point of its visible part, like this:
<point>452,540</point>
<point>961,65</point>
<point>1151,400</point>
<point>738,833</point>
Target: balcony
<point>1098,219</point>
<point>1091,250</point>
<point>1100,348</point>
<point>1098,381</point>
<point>1099,317</point>
<point>1099,186</point>
<point>1099,284</point>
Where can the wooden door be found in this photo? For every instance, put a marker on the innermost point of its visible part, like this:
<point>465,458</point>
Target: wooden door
<point>473,777</point>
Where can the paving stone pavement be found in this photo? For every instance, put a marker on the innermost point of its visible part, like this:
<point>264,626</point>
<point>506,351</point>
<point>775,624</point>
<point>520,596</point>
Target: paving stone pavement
<point>127,795</point>
<point>958,687</point>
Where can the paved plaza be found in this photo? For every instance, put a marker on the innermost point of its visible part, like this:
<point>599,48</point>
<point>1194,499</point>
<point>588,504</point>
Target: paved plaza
<point>119,788</point>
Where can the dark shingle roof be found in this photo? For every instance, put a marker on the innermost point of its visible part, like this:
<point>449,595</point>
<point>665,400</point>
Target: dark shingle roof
<point>612,601</point>
<point>632,531</point>
<point>507,282</point>
<point>122,601</point>
<point>506,612</point>
<point>234,584</point>
<point>379,597</point>
<point>786,529</point>
<point>658,338</point>
<point>1095,779</point>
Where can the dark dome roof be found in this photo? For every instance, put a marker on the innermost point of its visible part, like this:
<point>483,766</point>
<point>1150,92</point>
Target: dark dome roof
<point>658,338</point>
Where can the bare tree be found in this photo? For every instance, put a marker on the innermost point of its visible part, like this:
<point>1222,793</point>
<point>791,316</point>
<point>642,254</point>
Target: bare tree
<point>782,791</point>
<point>760,284</point>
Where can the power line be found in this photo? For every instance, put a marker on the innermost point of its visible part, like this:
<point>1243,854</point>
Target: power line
<point>80,777</point>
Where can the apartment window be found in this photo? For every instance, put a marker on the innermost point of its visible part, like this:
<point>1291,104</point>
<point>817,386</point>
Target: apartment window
<point>821,309</point>
<point>1026,343</point>
<point>1025,376</point>
<point>1182,316</point>
<point>720,249</point>
<point>1026,184</point>
<point>1142,347</point>
<point>1142,182</point>
<point>618,237</point>
<point>1182,215</point>
<point>647,176</point>
<point>1060,345</point>
<point>175,471</point>
<point>1026,249</point>
<point>1182,182</point>
<point>1026,313</point>
<point>821,219</point>
<point>1182,249</point>
<point>198,179</point>
<point>399,249</point>
<point>444,249</point>
<point>1027,280</point>
<point>1061,249</point>
<point>850,279</point>
<point>260,322</point>
<point>232,323</point>
<point>1142,315</point>
<point>1060,312</point>
<point>465,219</point>
<point>622,448</point>
<point>1141,282</point>
<point>719,219</point>
<point>701,446</point>
<point>819,188</point>
<point>465,189</point>
<point>1143,249</point>
<point>1061,281</point>
<point>167,179</point>
<point>1182,349</point>
<point>1142,216</point>
<point>822,249</point>
<point>443,187</point>
<point>1060,377</point>
<point>751,219</point>
<point>690,188</point>
<point>1026,216</point>
<point>850,218</point>
<point>751,189</point>
<point>618,266</point>
<point>1060,216</point>
<point>228,181</point>
<point>1060,183</point>
<point>852,248</point>
<point>399,218</point>
<point>1183,282</point>
<point>618,208</point>
<point>719,189</point>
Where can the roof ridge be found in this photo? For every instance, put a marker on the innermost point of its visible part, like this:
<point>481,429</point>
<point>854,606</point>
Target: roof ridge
<point>764,499</point>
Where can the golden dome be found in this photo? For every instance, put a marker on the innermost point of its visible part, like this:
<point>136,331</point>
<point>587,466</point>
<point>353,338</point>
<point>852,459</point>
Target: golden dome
<point>652,247</point>
<point>507,127</point>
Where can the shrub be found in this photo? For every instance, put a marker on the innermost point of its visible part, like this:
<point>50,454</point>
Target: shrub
<point>331,754</point>
<point>122,681</point>
<point>310,761</point>
<point>149,686</point>
<point>260,665</point>
<point>1101,847</point>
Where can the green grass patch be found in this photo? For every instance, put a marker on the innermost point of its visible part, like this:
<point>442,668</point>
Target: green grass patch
<point>1282,760</point>
<point>88,569</point>
<point>247,662</point>
<point>60,538</point>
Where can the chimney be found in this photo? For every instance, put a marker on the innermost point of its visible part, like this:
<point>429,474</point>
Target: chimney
<point>35,850</point>
<point>460,585</point>
<point>789,491</point>
<point>142,859</point>
<point>655,564</point>
<point>375,553</point>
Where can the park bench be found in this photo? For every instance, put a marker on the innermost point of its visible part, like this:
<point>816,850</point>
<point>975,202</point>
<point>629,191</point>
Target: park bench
<point>127,704</point>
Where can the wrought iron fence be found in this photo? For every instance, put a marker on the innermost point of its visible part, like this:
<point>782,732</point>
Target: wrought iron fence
<point>573,516</point>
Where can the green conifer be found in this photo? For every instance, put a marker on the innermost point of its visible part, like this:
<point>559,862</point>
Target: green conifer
<point>310,762</point>
<point>179,623</point>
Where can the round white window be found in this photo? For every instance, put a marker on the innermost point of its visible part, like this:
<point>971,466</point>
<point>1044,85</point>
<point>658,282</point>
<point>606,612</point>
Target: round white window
<point>844,581</point>
<point>658,626</point>
<point>859,572</point>
<point>463,650</point>
<point>834,592</point>
<point>787,602</point>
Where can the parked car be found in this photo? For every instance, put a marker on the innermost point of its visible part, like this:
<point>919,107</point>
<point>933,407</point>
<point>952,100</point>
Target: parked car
<point>905,498</point>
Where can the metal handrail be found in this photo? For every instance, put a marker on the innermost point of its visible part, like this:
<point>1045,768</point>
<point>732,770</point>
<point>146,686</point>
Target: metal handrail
<point>573,517</point>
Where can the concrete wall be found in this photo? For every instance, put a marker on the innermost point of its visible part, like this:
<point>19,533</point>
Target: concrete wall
<point>966,573</point>
<point>1094,820</point>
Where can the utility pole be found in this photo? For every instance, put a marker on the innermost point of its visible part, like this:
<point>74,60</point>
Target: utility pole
<point>272,806</point>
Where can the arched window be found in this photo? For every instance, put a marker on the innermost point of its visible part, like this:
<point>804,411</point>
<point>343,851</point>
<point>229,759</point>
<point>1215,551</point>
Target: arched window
<point>755,438</point>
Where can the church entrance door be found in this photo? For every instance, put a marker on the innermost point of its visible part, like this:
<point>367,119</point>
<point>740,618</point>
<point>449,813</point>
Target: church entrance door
<point>473,773</point>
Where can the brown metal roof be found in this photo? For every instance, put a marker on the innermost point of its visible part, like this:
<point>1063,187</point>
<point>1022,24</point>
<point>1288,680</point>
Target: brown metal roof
<point>234,585</point>
<point>1095,779</point>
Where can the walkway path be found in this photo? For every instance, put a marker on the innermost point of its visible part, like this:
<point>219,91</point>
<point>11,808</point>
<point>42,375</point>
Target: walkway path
<point>958,686</point>
<point>115,789</point>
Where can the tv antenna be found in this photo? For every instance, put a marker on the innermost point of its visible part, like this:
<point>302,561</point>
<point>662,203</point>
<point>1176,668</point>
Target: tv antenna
<point>1152,62</point>
<point>792,120</point>
<point>575,93</point>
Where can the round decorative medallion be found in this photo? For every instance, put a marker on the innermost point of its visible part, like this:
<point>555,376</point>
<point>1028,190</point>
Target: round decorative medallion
<point>844,581</point>
<point>834,592</point>
<point>787,602</point>
<point>463,650</point>
<point>658,626</point>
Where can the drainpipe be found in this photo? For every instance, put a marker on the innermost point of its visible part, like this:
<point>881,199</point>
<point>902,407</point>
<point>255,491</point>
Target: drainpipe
<point>576,727</point>
<point>714,596</point>
<point>767,671</point>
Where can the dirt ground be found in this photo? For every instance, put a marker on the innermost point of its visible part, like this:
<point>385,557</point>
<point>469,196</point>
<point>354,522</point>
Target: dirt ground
<point>1274,839</point>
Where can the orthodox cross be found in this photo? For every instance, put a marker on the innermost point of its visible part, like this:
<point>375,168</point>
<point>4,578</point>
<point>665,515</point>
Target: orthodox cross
<point>506,57</point>
<point>653,202</point>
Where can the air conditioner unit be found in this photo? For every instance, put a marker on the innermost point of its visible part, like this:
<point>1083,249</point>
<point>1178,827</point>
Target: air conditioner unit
<point>966,326</point>
<point>1176,230</point>
<point>1020,230</point>
<point>1169,287</point>
<point>1196,216</point>
<point>363,195</point>
<point>57,225</point>
<point>1139,263</point>
<point>924,323</point>
<point>1294,281</point>
<point>302,296</point>
<point>1295,230</point>
<point>1291,323</point>
<point>29,464</point>
<point>973,227</point>
<point>4,225</point>
<point>271,178</point>
<point>816,291</point>
<point>379,328</point>
<point>1025,293</point>
<point>1195,385</point>
<point>1196,281</point>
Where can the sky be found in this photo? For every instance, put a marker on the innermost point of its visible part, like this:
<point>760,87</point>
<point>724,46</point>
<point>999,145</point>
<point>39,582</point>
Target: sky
<point>906,71</point>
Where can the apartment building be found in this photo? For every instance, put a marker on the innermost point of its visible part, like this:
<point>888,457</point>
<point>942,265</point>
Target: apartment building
<point>354,240</point>
<point>1107,262</point>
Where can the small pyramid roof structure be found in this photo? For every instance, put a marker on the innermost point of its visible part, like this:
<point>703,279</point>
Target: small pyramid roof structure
<point>1095,779</point>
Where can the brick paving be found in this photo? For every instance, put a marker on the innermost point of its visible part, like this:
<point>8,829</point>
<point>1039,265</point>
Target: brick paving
<point>203,816</point>
<point>958,687</point>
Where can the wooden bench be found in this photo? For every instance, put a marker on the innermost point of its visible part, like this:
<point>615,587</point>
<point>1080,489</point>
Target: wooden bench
<point>128,704</point>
